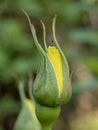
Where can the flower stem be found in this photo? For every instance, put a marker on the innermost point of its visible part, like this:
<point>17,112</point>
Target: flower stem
<point>47,115</point>
<point>21,89</point>
<point>46,127</point>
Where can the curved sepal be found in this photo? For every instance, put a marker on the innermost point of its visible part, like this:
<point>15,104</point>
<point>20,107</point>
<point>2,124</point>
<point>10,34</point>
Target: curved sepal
<point>66,91</point>
<point>45,87</point>
<point>40,49</point>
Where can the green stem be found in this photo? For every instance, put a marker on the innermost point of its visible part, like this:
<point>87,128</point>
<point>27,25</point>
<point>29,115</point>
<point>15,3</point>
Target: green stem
<point>21,89</point>
<point>46,127</point>
<point>47,115</point>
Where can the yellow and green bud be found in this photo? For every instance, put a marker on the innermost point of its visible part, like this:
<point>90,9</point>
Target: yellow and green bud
<point>27,119</point>
<point>52,84</point>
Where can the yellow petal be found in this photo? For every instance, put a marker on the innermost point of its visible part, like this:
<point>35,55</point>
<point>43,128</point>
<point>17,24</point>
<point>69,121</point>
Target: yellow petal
<point>32,107</point>
<point>56,61</point>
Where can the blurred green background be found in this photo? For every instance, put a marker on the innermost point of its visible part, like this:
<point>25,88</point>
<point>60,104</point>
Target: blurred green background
<point>77,33</point>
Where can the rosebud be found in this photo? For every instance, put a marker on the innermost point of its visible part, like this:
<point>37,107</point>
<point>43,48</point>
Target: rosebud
<point>52,84</point>
<point>27,119</point>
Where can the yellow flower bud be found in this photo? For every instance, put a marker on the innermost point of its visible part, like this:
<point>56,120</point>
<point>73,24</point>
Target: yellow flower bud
<point>52,84</point>
<point>27,119</point>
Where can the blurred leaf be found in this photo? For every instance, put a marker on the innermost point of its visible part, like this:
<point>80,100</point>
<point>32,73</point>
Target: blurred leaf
<point>85,36</point>
<point>4,63</point>
<point>17,51</point>
<point>9,5</point>
<point>12,36</point>
<point>29,5</point>
<point>89,1</point>
<point>92,63</point>
<point>4,60</point>
<point>7,104</point>
<point>32,6</point>
<point>1,127</point>
<point>73,11</point>
<point>22,66</point>
<point>81,86</point>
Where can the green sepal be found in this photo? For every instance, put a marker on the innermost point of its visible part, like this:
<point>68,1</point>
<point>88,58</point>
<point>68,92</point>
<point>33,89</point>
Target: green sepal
<point>66,92</point>
<point>40,49</point>
<point>45,88</point>
<point>67,89</point>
